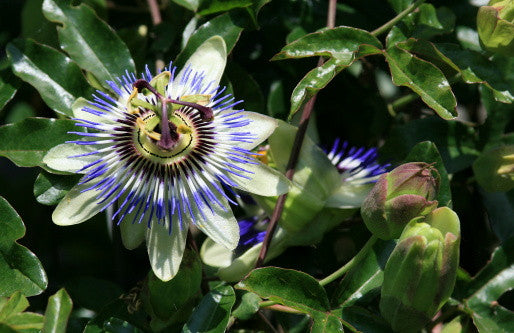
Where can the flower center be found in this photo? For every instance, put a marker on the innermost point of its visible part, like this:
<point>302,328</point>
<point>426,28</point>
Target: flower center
<point>166,138</point>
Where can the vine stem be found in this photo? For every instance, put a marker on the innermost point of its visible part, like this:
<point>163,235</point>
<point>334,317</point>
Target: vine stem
<point>295,153</point>
<point>389,24</point>
<point>350,264</point>
<point>155,12</point>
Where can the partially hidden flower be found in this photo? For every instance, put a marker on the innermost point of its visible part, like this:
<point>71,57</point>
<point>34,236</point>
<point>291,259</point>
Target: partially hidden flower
<point>164,152</point>
<point>354,168</point>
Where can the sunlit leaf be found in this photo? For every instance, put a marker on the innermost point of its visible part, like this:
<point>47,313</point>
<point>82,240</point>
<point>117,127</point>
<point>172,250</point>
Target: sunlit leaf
<point>26,143</point>
<point>20,269</point>
<point>56,77</point>
<point>89,40</point>
<point>57,312</point>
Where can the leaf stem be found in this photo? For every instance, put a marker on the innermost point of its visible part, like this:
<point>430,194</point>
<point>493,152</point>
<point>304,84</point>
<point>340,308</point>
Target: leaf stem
<point>389,24</point>
<point>295,153</point>
<point>350,264</point>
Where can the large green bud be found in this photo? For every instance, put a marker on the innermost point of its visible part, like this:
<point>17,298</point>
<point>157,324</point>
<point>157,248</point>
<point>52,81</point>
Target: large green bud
<point>399,196</point>
<point>420,273</point>
<point>495,24</point>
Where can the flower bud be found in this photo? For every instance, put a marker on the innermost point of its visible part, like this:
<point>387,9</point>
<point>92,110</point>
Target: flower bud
<point>420,273</point>
<point>399,196</point>
<point>495,24</point>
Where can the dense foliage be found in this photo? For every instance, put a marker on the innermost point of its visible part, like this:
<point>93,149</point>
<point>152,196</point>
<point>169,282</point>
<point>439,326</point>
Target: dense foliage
<point>419,80</point>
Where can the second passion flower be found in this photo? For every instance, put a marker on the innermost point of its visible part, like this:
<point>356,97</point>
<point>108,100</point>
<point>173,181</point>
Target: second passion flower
<point>164,152</point>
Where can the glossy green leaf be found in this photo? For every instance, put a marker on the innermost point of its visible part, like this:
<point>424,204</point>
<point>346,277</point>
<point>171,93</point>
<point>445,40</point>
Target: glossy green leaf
<point>487,287</point>
<point>223,25</point>
<point>56,77</point>
<point>49,189</point>
<point>208,7</point>
<point>399,5</point>
<point>189,4</point>
<point>20,269</point>
<point>363,282</point>
<point>423,78</point>
<point>9,84</point>
<point>472,66</point>
<point>248,306</point>
<point>288,287</point>
<point>431,22</point>
<point>166,298</point>
<point>26,143</point>
<point>363,320</point>
<point>476,68</point>
<point>89,40</point>
<point>326,323</point>
<point>213,312</point>
<point>12,317</point>
<point>499,115</point>
<point>57,312</point>
<point>427,152</point>
<point>343,45</point>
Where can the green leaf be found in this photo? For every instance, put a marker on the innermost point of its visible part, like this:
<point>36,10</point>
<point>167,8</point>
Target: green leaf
<point>432,22</point>
<point>26,143</point>
<point>343,45</point>
<point>399,5</point>
<point>119,309</point>
<point>494,280</point>
<point>292,288</point>
<point>363,320</point>
<point>499,115</point>
<point>276,104</point>
<point>427,152</point>
<point>49,189</point>
<point>57,312</point>
<point>363,282</point>
<point>9,84</point>
<point>89,40</point>
<point>424,79</point>
<point>20,270</point>
<point>248,306</point>
<point>208,7</point>
<point>189,4</point>
<point>223,25</point>
<point>476,68</point>
<point>213,312</point>
<point>58,80</point>
<point>494,169</point>
<point>15,304</point>
<point>166,298</point>
<point>326,323</point>
<point>454,140</point>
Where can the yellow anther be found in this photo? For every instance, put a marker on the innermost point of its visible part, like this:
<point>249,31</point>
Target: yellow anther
<point>133,95</point>
<point>151,134</point>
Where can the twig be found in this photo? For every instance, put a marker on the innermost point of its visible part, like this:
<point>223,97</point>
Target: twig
<point>295,153</point>
<point>156,20</point>
<point>389,24</point>
<point>263,317</point>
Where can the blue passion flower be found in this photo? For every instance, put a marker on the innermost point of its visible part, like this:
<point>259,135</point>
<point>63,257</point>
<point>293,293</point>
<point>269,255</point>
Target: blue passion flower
<point>163,152</point>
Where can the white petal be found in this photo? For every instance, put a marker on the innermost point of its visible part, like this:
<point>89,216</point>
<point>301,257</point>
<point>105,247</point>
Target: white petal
<point>209,58</point>
<point>219,224</point>
<point>58,158</point>
<point>261,126</point>
<point>263,180</point>
<point>165,251</point>
<point>349,195</point>
<point>77,207</point>
<point>132,234</point>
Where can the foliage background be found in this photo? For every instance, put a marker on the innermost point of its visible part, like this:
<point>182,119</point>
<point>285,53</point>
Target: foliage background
<point>90,262</point>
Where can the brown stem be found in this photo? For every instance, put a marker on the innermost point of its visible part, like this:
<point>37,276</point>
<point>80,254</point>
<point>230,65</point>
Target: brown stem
<point>295,153</point>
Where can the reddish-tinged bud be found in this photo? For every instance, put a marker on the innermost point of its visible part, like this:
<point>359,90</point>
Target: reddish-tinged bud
<point>399,196</point>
